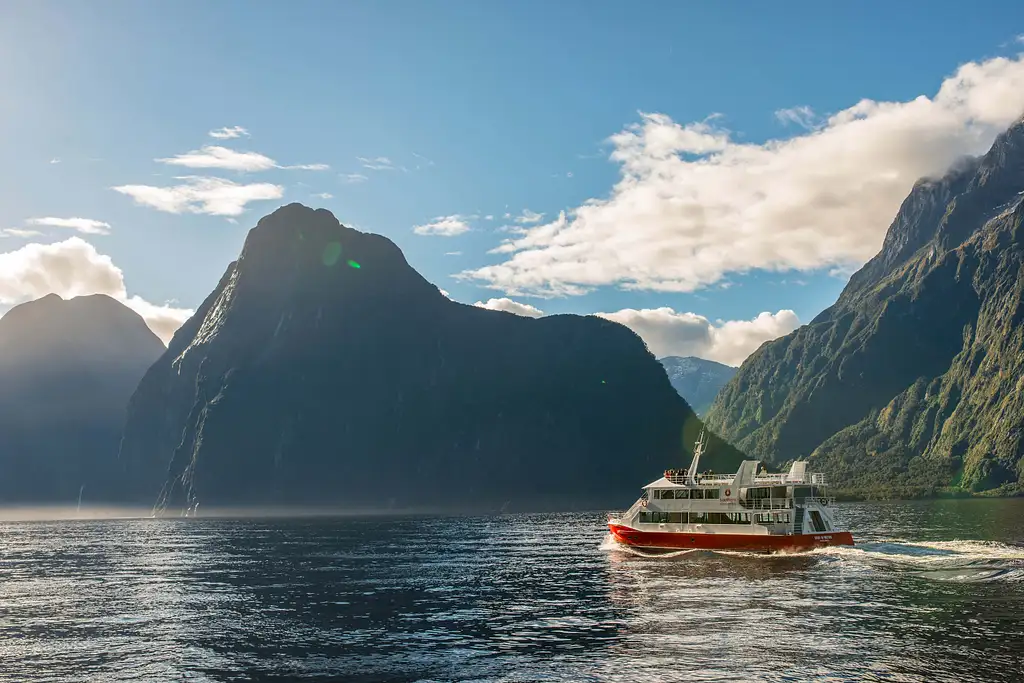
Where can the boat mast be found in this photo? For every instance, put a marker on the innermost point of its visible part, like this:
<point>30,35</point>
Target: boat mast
<point>698,450</point>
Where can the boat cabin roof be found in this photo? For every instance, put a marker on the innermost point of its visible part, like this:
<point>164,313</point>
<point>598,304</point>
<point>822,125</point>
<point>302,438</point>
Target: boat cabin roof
<point>747,475</point>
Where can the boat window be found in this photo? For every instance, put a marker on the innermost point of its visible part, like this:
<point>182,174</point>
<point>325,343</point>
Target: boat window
<point>682,493</point>
<point>676,517</point>
<point>711,493</point>
<point>660,494</point>
<point>654,517</point>
<point>696,494</point>
<point>698,518</point>
<point>764,518</point>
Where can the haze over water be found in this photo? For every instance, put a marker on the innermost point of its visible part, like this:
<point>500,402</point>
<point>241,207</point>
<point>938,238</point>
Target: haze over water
<point>933,591</point>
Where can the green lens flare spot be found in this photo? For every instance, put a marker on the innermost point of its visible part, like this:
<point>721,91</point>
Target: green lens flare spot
<point>332,252</point>
<point>353,264</point>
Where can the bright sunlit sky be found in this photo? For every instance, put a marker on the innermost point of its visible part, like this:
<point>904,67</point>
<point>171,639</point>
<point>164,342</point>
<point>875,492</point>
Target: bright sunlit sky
<point>710,174</point>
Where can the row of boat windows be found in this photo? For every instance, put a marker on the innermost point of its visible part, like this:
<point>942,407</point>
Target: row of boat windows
<point>654,517</point>
<point>691,494</point>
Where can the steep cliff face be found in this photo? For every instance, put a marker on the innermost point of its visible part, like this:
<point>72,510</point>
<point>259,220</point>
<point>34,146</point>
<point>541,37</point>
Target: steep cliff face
<point>911,379</point>
<point>697,380</point>
<point>67,370</point>
<point>324,370</point>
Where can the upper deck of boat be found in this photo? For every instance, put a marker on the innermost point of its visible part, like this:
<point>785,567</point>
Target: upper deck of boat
<point>746,477</point>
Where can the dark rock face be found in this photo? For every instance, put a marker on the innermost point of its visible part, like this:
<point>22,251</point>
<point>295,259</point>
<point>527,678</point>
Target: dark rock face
<point>67,370</point>
<point>325,370</point>
<point>911,379</point>
<point>697,380</point>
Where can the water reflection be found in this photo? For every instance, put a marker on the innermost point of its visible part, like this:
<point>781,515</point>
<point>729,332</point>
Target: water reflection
<point>508,598</point>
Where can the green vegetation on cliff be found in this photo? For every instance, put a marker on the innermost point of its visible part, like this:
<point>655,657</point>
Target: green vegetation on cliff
<point>912,382</point>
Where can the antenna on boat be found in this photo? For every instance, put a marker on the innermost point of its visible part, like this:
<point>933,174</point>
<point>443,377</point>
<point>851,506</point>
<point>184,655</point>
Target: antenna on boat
<point>698,450</point>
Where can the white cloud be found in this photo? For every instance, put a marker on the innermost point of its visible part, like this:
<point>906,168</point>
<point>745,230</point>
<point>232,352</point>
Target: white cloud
<point>55,160</point>
<point>88,226</point>
<point>489,217</point>
<point>19,232</point>
<point>215,156</point>
<point>1020,38</point>
<point>510,306</point>
<point>213,196</point>
<point>802,116</point>
<point>693,205</point>
<point>668,333</point>
<point>379,164</point>
<point>443,226</point>
<point>229,132</point>
<point>528,216</point>
<point>74,268</point>
<point>324,195</point>
<point>453,253</point>
<point>353,178</point>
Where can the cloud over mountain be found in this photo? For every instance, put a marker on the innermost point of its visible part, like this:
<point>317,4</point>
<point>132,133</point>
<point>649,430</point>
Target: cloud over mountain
<point>693,204</point>
<point>73,268</point>
<point>669,333</point>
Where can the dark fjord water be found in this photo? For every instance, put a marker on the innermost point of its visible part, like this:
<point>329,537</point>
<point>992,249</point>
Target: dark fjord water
<point>933,592</point>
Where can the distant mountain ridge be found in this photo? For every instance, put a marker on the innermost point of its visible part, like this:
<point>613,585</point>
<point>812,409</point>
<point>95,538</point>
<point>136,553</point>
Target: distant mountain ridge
<point>67,370</point>
<point>323,369</point>
<point>909,383</point>
<point>696,379</point>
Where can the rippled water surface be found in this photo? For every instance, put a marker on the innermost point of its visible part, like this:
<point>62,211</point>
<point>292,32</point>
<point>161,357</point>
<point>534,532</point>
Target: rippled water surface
<point>933,591</point>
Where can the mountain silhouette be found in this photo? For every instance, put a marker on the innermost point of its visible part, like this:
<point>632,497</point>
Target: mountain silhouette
<point>324,369</point>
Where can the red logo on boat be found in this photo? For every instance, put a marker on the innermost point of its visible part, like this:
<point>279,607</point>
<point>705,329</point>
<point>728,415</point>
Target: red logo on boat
<point>728,492</point>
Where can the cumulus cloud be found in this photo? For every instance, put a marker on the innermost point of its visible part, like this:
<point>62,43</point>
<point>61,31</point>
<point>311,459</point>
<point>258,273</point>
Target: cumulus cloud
<point>200,194</point>
<point>215,156</point>
<point>668,333</point>
<point>229,132</point>
<point>510,306</point>
<point>73,268</point>
<point>443,226</point>
<point>693,205</point>
<point>88,226</point>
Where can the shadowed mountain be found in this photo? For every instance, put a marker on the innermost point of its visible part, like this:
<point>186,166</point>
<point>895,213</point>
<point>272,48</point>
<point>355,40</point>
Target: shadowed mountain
<point>911,381</point>
<point>67,370</point>
<point>323,369</point>
<point>697,380</point>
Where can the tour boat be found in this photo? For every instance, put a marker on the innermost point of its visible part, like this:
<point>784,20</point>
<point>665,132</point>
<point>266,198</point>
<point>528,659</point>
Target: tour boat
<point>750,510</point>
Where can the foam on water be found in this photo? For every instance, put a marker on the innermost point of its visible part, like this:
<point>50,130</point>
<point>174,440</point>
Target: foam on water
<point>955,560</point>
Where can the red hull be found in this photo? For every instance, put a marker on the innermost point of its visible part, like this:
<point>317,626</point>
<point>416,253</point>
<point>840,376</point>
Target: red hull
<point>670,540</point>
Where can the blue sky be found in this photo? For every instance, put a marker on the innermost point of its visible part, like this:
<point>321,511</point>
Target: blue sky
<point>492,108</point>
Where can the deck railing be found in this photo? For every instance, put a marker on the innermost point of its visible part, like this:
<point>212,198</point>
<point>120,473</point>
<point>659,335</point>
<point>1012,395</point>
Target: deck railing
<point>815,479</point>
